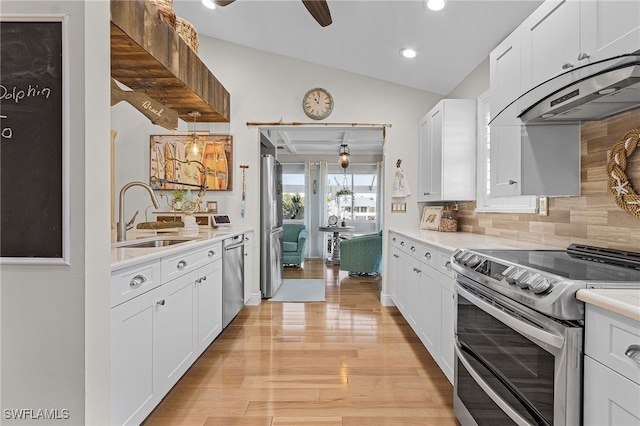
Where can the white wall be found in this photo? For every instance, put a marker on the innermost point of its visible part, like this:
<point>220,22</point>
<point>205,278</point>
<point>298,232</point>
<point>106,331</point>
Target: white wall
<point>44,308</point>
<point>475,84</point>
<point>266,88</point>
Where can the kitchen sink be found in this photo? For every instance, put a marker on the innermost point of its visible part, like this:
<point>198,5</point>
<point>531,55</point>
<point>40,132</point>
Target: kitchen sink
<point>151,243</point>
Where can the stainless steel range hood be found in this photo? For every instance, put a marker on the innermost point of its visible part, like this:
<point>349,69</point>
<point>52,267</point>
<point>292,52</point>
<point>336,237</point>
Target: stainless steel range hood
<point>591,92</point>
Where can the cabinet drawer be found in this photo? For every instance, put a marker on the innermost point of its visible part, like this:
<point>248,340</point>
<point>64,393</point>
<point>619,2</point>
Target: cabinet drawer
<point>176,266</point>
<point>444,261</point>
<point>131,282</point>
<point>427,255</point>
<point>609,336</point>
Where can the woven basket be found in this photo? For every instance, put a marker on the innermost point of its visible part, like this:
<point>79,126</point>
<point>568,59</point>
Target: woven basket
<point>165,7</point>
<point>188,33</point>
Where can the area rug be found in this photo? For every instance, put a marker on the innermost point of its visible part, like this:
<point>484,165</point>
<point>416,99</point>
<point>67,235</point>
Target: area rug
<point>300,290</point>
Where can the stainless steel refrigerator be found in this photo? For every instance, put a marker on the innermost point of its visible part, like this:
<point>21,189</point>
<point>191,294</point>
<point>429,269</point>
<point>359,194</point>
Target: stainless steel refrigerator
<point>271,268</point>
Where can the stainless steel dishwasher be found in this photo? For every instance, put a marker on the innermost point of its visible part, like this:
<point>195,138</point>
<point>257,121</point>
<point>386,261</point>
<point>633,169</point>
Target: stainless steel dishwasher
<point>232,278</point>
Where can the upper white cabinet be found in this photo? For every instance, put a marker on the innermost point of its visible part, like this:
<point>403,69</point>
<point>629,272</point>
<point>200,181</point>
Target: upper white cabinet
<point>551,41</point>
<point>564,34</point>
<point>505,73</point>
<point>609,28</point>
<point>561,35</point>
<point>447,151</point>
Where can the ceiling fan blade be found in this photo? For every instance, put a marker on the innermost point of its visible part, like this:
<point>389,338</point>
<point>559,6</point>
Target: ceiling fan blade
<point>223,3</point>
<point>319,9</point>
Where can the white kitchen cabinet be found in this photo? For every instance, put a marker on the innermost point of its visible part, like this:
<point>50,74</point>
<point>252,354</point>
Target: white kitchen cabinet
<point>550,41</point>
<point>609,28</point>
<point>424,295</point>
<point>429,331</point>
<point>208,293</point>
<point>505,74</point>
<point>133,394</point>
<point>447,151</point>
<point>445,358</point>
<point>393,270</point>
<point>248,265</point>
<point>174,334</point>
<point>164,314</point>
<point>611,376</point>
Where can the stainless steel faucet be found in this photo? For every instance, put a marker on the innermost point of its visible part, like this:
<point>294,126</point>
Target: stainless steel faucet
<point>121,225</point>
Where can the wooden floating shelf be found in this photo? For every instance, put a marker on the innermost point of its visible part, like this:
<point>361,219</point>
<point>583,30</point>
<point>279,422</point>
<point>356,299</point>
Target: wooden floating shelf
<point>148,55</point>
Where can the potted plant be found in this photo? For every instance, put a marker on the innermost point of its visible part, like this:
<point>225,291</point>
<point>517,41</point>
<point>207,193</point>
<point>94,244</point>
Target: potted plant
<point>178,198</point>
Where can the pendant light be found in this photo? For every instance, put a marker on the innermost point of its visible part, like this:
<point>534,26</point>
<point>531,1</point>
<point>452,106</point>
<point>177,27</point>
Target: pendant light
<point>195,149</point>
<point>344,156</point>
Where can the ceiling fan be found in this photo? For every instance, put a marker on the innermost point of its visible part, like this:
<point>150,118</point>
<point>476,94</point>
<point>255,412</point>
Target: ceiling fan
<point>319,9</point>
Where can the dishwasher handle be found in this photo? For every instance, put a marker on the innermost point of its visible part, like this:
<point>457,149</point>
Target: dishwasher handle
<point>235,246</point>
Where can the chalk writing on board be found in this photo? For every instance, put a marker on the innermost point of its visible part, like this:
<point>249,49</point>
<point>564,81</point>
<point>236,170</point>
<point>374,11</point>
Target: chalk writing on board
<point>31,140</point>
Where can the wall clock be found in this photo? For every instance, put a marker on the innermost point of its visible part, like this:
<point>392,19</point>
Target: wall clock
<point>317,103</point>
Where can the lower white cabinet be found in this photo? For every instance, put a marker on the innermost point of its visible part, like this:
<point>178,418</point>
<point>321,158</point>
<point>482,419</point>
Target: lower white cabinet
<point>421,286</point>
<point>611,374</point>
<point>174,348</point>
<point>133,394</point>
<point>157,334</point>
<point>208,293</point>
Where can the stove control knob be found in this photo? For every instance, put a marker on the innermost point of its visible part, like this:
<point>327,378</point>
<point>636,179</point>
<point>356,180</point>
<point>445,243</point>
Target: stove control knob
<point>473,261</point>
<point>457,255</point>
<point>521,281</point>
<point>514,275</point>
<point>539,285</point>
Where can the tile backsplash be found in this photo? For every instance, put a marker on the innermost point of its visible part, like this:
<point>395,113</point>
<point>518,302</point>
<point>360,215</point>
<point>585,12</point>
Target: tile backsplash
<point>593,217</point>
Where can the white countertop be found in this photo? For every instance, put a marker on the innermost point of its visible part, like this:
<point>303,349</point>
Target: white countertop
<point>454,240</point>
<point>125,257</point>
<point>625,302</point>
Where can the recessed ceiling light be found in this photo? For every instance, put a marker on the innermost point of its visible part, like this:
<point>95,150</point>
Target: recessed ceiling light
<point>209,3</point>
<point>433,4</point>
<point>408,53</point>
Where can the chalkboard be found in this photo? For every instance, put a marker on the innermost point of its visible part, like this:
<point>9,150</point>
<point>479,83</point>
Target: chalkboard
<point>31,140</point>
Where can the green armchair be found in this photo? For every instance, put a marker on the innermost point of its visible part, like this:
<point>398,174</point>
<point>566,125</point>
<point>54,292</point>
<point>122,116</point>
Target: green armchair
<point>294,242</point>
<point>362,254</point>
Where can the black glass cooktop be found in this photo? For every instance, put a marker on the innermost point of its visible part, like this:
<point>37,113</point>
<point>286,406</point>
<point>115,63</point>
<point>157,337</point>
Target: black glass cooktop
<point>561,263</point>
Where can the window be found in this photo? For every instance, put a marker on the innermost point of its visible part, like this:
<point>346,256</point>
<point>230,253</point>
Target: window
<point>293,191</point>
<point>485,202</point>
<point>352,194</point>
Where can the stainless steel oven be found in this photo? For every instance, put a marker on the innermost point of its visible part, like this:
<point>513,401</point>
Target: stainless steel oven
<point>519,333</point>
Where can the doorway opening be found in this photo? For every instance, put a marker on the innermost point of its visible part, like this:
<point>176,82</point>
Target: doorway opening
<point>316,187</point>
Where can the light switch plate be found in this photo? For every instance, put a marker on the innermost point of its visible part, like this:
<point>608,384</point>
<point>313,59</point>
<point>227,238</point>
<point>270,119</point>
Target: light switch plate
<point>398,207</point>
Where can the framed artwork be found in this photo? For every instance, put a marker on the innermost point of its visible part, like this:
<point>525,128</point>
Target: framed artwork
<point>431,217</point>
<point>34,135</point>
<point>190,161</point>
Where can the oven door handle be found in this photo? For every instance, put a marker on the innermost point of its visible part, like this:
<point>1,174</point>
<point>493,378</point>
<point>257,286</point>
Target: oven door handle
<point>555,340</point>
<point>504,405</point>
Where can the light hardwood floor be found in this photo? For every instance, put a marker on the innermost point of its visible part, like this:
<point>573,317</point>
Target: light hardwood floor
<point>346,361</point>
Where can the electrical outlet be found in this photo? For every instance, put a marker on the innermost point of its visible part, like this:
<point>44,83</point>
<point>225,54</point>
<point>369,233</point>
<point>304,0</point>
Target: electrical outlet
<point>543,206</point>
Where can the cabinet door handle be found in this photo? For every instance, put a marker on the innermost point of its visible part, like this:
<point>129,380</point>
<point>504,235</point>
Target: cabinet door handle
<point>567,65</point>
<point>512,182</point>
<point>582,56</point>
<point>402,244</point>
<point>447,264</point>
<point>396,256</point>
<point>211,253</point>
<point>413,248</point>
<point>160,302</point>
<point>203,278</point>
<point>181,265</point>
<point>137,280</point>
<point>633,352</point>
<point>426,193</point>
<point>427,255</point>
